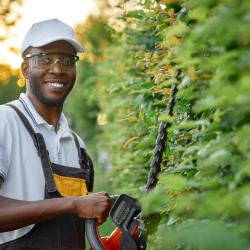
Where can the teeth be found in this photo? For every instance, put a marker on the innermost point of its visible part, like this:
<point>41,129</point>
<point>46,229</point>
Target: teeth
<point>56,85</point>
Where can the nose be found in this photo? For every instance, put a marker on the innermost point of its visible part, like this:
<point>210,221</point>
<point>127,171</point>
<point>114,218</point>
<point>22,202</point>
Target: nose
<point>58,68</point>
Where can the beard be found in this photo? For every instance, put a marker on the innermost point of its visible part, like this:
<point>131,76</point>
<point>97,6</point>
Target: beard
<point>38,93</point>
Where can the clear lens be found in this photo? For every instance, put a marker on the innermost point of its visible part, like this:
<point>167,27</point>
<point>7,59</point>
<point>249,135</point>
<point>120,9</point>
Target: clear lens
<point>48,60</point>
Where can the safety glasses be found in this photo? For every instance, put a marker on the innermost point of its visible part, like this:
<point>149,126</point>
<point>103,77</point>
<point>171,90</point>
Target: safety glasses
<point>47,60</point>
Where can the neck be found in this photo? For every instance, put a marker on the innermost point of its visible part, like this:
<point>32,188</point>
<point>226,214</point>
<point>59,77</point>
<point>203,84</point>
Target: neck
<point>51,114</point>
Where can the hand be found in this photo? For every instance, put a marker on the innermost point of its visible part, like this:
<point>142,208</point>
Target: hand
<point>15,214</point>
<point>93,206</point>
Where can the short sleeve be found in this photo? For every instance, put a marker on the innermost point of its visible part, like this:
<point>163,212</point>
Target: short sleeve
<point>6,142</point>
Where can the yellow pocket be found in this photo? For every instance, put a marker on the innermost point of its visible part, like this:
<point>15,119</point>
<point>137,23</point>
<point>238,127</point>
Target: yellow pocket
<point>68,186</point>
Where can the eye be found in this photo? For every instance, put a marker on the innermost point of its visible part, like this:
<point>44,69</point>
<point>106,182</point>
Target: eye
<point>44,59</point>
<point>68,61</point>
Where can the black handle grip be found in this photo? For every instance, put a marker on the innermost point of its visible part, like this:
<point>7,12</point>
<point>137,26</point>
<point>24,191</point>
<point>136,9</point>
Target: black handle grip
<point>93,233</point>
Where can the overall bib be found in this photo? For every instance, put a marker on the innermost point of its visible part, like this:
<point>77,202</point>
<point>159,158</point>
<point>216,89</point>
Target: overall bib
<point>64,232</point>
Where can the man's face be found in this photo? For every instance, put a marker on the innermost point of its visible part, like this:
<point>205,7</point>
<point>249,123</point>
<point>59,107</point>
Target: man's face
<point>51,86</point>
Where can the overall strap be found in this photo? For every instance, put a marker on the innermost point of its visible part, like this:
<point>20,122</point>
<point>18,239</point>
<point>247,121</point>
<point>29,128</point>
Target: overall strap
<point>82,154</point>
<point>85,162</point>
<point>41,148</point>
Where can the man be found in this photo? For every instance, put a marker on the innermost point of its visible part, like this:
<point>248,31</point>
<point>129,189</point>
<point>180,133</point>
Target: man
<point>39,154</point>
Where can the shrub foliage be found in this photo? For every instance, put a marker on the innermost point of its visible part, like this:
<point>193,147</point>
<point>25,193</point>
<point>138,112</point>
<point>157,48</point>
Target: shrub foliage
<point>203,189</point>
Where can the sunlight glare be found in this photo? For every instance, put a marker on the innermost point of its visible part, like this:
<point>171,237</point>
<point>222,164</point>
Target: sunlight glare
<point>21,82</point>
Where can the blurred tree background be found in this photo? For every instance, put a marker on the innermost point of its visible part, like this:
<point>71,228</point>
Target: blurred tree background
<point>121,95</point>
<point>9,15</point>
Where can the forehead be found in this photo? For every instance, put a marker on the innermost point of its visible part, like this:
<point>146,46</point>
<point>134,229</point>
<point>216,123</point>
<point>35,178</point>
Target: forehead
<point>58,46</point>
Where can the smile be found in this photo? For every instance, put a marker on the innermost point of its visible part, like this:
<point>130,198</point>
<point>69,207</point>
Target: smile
<point>55,85</point>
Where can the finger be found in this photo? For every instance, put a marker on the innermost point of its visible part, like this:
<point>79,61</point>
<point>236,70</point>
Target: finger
<point>101,221</point>
<point>111,204</point>
<point>104,193</point>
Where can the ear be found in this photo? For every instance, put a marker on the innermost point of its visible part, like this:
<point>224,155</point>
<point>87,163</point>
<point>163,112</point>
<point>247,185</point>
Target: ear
<point>25,69</point>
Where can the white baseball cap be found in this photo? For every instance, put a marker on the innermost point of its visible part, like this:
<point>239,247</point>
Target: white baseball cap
<point>49,31</point>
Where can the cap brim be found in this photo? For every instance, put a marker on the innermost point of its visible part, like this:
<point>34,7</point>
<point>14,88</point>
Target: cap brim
<point>78,47</point>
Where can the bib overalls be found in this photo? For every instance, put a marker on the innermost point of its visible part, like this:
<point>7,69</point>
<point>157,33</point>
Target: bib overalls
<point>67,231</point>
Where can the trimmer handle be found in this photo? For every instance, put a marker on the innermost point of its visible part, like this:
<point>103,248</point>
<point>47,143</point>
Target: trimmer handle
<point>92,231</point>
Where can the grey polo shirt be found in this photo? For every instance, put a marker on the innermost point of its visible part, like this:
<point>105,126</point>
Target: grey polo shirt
<point>20,165</point>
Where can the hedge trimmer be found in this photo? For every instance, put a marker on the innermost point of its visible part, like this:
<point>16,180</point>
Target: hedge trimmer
<point>132,226</point>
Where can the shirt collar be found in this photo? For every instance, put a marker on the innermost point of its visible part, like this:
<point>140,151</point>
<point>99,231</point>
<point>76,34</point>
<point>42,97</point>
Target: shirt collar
<point>37,119</point>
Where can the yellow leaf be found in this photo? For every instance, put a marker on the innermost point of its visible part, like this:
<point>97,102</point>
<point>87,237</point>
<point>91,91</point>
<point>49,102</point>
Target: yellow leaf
<point>171,72</point>
<point>168,1</point>
<point>191,70</point>
<point>147,55</point>
<point>161,75</point>
<point>137,64</point>
<point>206,76</point>
<point>162,47</point>
<point>171,158</point>
<point>157,88</point>
<point>167,67</point>
<point>130,119</point>
<point>162,12</point>
<point>183,138</point>
<point>130,140</point>
<point>163,51</point>
<point>164,99</point>
<point>169,19</point>
<point>194,78</point>
<point>159,33</point>
<point>166,91</point>
<point>141,115</point>
<point>171,12</point>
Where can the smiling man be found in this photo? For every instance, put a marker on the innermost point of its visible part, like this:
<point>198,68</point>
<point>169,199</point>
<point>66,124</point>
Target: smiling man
<point>45,172</point>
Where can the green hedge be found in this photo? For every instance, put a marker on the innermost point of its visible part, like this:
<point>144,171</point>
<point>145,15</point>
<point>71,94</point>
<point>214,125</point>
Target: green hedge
<point>203,192</point>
